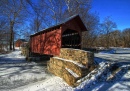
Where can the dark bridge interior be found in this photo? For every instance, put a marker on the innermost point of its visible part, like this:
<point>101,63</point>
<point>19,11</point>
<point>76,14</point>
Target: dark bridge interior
<point>71,39</point>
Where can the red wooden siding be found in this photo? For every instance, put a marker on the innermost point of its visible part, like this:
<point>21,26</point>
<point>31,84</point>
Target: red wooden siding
<point>73,25</point>
<point>47,43</point>
<point>19,42</point>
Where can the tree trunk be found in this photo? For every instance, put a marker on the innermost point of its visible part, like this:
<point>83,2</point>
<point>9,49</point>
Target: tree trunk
<point>13,42</point>
<point>11,34</point>
<point>10,39</point>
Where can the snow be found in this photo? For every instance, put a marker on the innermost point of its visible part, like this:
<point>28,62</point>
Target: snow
<point>14,57</point>
<point>112,74</point>
<point>70,71</point>
<point>114,57</point>
<point>78,64</point>
<point>115,50</point>
<point>15,71</point>
<point>52,84</point>
<point>116,84</point>
<point>122,50</point>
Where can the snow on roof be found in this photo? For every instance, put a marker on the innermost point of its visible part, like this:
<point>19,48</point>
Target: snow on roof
<point>78,64</point>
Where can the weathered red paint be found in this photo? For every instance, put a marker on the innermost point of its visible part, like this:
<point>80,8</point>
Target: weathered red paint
<point>49,41</point>
<point>19,42</point>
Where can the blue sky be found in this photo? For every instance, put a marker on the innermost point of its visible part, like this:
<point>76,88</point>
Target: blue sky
<point>118,10</point>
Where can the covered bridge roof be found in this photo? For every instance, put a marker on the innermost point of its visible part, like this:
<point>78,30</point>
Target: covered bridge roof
<point>76,17</point>
<point>23,40</point>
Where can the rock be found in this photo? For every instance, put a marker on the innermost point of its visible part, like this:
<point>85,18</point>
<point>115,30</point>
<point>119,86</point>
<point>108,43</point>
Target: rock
<point>79,63</point>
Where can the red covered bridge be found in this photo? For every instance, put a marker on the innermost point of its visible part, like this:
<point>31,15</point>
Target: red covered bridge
<point>63,35</point>
<point>19,42</point>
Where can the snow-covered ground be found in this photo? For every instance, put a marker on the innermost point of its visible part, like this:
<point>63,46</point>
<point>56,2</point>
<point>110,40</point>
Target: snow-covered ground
<point>116,55</point>
<point>112,74</point>
<point>15,71</point>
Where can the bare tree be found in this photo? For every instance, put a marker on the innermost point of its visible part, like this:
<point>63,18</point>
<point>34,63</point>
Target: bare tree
<point>107,27</point>
<point>90,36</point>
<point>58,10</point>
<point>35,24</point>
<point>37,13</point>
<point>4,40</point>
<point>13,11</point>
<point>115,38</point>
<point>126,37</point>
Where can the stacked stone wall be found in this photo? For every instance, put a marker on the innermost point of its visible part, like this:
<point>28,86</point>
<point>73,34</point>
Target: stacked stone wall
<point>71,65</point>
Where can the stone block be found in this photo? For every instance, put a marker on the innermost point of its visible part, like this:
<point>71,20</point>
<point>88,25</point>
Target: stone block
<point>71,65</point>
